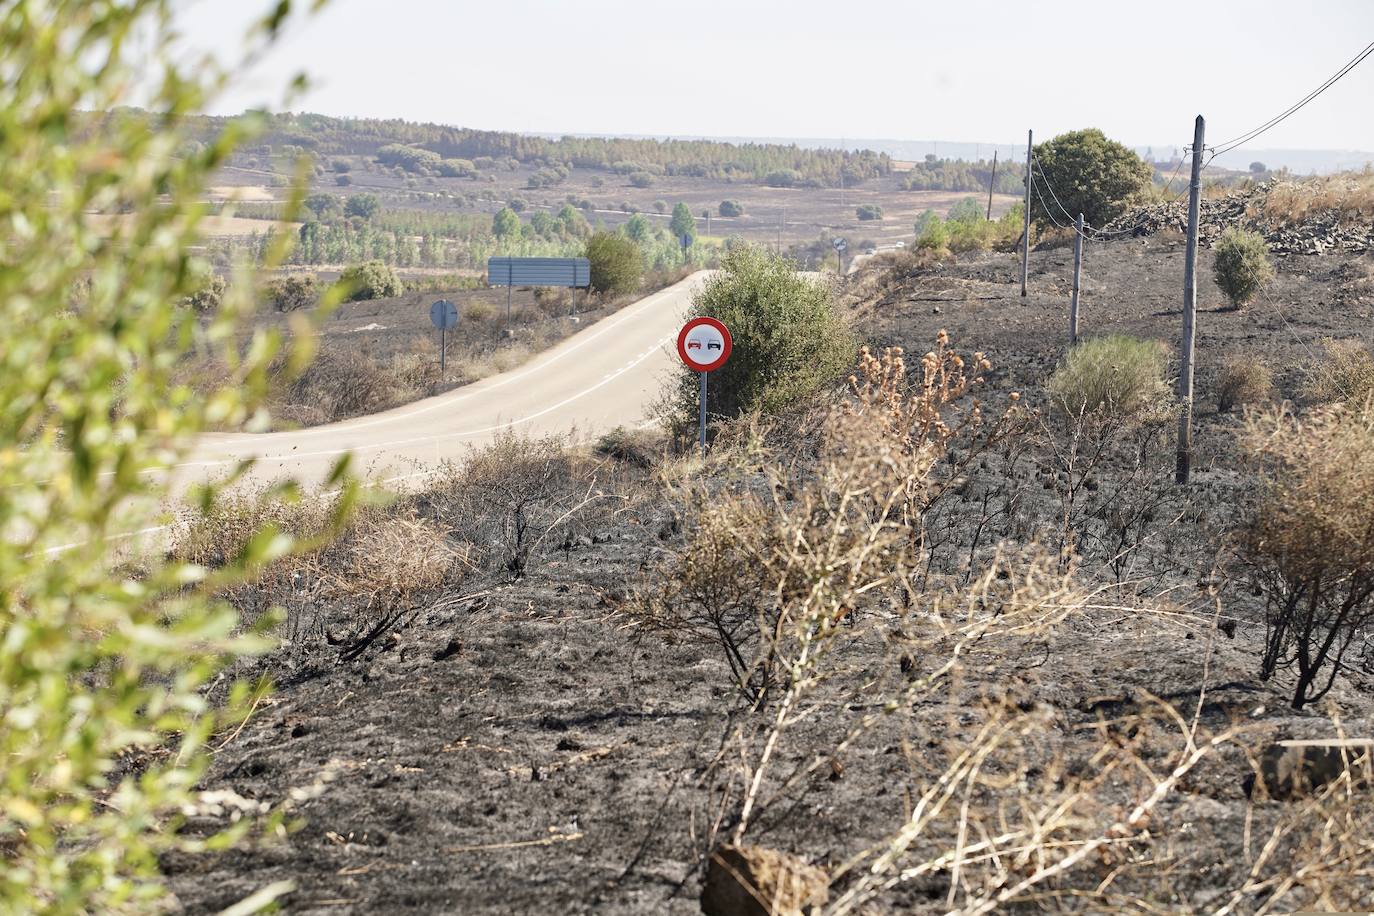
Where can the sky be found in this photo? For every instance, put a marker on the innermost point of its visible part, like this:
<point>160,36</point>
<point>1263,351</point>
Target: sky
<point>900,69</point>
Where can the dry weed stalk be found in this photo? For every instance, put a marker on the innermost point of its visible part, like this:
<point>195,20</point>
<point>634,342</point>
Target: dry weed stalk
<point>1349,195</point>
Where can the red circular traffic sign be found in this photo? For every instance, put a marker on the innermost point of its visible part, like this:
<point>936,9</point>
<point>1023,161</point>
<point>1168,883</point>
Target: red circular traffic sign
<point>704,344</point>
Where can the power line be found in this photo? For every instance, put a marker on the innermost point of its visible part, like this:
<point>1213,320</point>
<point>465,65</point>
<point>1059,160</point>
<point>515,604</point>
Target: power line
<point>1249,135</point>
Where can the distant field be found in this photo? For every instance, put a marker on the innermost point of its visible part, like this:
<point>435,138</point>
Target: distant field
<point>211,226</point>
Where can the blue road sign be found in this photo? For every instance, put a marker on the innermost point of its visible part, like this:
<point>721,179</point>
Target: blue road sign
<point>444,314</point>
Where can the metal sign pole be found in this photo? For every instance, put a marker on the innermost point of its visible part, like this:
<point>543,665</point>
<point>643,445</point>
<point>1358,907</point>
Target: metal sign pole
<point>703,414</point>
<point>443,352</point>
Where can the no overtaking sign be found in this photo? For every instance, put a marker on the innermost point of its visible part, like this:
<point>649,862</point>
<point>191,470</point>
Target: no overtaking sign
<point>704,344</point>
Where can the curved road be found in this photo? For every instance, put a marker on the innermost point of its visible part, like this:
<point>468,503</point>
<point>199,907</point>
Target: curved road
<point>602,377</point>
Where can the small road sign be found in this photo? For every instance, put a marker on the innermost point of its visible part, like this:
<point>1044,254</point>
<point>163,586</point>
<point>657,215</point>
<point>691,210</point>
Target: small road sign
<point>704,344</point>
<point>840,244</point>
<point>444,314</point>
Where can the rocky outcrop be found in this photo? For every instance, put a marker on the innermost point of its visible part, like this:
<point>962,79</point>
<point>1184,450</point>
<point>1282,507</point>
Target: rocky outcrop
<point>1326,230</point>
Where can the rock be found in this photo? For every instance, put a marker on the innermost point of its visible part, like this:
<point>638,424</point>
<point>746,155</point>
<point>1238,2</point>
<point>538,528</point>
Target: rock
<point>755,881</point>
<point>1289,769</point>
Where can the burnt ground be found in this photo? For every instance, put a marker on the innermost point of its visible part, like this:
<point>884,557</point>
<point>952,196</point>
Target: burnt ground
<point>522,747</point>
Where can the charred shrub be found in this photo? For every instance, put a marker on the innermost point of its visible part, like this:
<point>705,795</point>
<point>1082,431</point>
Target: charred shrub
<point>1309,543</point>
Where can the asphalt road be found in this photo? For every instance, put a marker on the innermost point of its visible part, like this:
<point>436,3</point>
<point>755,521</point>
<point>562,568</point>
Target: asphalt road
<point>604,376</point>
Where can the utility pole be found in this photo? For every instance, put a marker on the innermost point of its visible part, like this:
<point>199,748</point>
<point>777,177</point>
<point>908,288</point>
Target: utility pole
<point>1077,273</point>
<point>1025,233</point>
<point>1186,345</point>
<point>992,182</point>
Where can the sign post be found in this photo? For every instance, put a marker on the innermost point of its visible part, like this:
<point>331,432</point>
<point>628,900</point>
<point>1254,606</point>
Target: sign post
<point>840,246</point>
<point>443,315</point>
<point>703,344</point>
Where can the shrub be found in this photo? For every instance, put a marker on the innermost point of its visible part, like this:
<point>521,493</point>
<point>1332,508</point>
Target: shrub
<point>616,262</point>
<point>342,180</point>
<point>660,206</point>
<point>1244,380</point>
<point>934,236</point>
<point>208,297</point>
<point>341,166</point>
<point>789,338</point>
<point>362,205</point>
<point>1308,543</point>
<point>1347,373</point>
<point>298,291</point>
<point>371,280</point>
<point>1241,264</point>
<point>1089,174</point>
<point>731,208</point>
<point>1116,376</point>
<point>111,652</point>
<point>457,168</point>
<point>642,179</point>
<point>968,210</point>
<point>869,212</point>
<point>782,178</point>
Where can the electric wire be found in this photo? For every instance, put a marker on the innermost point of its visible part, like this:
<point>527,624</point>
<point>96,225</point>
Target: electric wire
<point>1249,135</point>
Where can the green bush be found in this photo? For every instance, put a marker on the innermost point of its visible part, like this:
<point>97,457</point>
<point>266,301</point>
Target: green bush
<point>616,262</point>
<point>869,212</point>
<point>298,291</point>
<point>363,205</point>
<point>731,208</point>
<point>789,338</point>
<point>1241,264</point>
<point>1089,174</point>
<point>371,280</point>
<point>642,180</point>
<point>969,210</point>
<point>934,236</point>
<point>660,206</point>
<point>505,223</point>
<point>208,296</point>
<point>108,647</point>
<point>1115,377</point>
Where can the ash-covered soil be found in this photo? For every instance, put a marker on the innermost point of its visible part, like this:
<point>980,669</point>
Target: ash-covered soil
<point>522,746</point>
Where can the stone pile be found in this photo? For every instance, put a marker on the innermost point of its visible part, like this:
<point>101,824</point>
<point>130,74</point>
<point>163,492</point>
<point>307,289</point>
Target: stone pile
<point>1319,232</point>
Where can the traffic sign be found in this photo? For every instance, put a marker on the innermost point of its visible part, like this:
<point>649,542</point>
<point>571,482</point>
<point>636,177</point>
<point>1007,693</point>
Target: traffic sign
<point>444,314</point>
<point>840,244</point>
<point>704,344</point>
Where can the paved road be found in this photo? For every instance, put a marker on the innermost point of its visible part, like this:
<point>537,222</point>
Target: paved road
<point>604,376</point>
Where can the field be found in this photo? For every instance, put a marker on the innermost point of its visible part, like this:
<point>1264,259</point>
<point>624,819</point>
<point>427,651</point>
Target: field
<point>802,214</point>
<point>528,744</point>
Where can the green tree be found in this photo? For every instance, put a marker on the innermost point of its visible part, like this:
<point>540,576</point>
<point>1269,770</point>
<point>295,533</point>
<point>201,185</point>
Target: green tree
<point>616,262</point>
<point>323,205</point>
<point>107,649</point>
<point>731,208</point>
<point>371,280</point>
<point>1241,264</point>
<point>789,337</point>
<point>1258,168</point>
<point>683,223</point>
<point>364,206</point>
<point>1086,173</point>
<point>637,228</point>
<point>869,212</point>
<point>642,179</point>
<point>505,224</point>
<point>969,210</point>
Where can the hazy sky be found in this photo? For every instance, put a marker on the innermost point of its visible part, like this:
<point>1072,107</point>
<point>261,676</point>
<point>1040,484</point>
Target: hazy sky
<point>905,69</point>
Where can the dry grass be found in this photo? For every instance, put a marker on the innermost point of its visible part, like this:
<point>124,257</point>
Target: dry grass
<point>1345,375</point>
<point>1245,380</point>
<point>1349,195</point>
<point>1310,542</point>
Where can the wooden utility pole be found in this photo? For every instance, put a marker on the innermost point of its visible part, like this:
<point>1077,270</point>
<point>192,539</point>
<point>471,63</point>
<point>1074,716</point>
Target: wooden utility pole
<point>1025,233</point>
<point>1077,274</point>
<point>992,182</point>
<point>1186,345</point>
